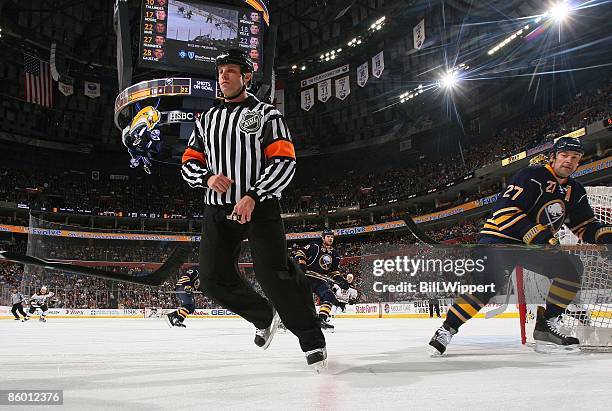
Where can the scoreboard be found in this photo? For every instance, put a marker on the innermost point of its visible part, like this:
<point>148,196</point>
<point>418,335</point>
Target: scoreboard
<point>187,35</point>
<point>164,87</point>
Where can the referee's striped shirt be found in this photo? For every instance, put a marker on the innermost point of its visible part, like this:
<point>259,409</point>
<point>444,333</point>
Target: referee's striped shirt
<point>248,142</point>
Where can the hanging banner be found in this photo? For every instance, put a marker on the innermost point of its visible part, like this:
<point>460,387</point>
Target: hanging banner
<point>378,64</point>
<point>418,34</point>
<point>324,90</point>
<point>92,90</point>
<point>307,99</point>
<point>362,74</point>
<point>343,87</point>
<point>324,76</point>
<point>66,85</point>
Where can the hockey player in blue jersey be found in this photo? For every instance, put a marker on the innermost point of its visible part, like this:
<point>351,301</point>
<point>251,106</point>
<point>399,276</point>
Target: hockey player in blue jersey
<point>185,286</point>
<point>533,207</point>
<point>320,262</point>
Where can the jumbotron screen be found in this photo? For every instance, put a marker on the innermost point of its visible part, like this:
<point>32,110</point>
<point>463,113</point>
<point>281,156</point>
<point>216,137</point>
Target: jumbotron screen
<point>188,35</point>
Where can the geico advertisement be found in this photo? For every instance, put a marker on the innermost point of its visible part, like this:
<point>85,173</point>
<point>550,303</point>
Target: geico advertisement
<point>212,312</point>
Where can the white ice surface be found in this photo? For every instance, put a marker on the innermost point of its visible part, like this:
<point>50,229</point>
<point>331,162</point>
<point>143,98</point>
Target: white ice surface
<point>373,364</point>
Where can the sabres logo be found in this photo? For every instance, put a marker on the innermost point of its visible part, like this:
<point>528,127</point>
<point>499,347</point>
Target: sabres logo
<point>552,214</point>
<point>148,117</point>
<point>250,122</point>
<point>325,261</point>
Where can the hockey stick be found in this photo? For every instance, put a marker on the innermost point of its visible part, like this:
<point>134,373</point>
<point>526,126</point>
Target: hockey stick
<point>417,232</point>
<point>155,278</point>
<point>320,277</point>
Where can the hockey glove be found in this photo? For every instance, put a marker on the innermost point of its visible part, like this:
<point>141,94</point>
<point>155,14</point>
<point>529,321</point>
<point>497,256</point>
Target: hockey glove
<point>540,234</point>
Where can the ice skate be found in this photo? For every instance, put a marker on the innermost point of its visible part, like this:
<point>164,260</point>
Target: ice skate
<point>317,359</point>
<point>171,319</point>
<point>550,340</point>
<point>263,337</point>
<point>326,326</point>
<point>439,341</point>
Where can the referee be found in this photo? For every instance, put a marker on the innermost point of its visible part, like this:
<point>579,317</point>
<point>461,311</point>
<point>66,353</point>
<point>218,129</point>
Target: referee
<point>241,153</point>
<point>17,300</point>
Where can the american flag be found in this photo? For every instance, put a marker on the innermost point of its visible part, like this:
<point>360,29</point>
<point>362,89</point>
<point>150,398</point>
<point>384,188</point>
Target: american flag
<point>38,81</point>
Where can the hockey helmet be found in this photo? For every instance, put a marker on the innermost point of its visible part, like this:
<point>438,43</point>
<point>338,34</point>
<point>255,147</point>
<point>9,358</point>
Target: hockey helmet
<point>568,144</point>
<point>235,56</point>
<point>327,232</point>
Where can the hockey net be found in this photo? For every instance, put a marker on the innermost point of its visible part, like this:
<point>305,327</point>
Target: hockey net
<point>589,318</point>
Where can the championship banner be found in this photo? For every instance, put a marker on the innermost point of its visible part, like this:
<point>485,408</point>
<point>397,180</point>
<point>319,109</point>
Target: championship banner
<point>418,34</point>
<point>66,85</point>
<point>307,99</point>
<point>363,74</point>
<point>343,87</point>
<point>378,64</point>
<point>324,76</point>
<point>324,90</point>
<point>92,90</point>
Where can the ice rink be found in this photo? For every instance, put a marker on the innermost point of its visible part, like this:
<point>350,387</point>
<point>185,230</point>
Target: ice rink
<point>373,364</point>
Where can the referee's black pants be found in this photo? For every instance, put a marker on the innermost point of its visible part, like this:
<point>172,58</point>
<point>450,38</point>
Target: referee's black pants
<point>18,307</point>
<point>286,288</point>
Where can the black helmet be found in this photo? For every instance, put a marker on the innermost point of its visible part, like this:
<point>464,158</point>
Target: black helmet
<point>568,144</point>
<point>235,56</point>
<point>327,231</point>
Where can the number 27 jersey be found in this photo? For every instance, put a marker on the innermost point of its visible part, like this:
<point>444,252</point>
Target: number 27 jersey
<point>535,201</point>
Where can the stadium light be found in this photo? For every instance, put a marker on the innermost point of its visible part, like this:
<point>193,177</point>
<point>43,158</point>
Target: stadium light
<point>449,80</point>
<point>408,95</point>
<point>559,11</point>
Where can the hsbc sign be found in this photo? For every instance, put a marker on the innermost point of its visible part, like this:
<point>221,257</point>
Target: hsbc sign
<point>178,116</point>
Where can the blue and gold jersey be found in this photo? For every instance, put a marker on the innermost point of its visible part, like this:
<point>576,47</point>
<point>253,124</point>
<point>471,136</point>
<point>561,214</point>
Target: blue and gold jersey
<point>535,205</point>
<point>190,279</point>
<point>319,259</point>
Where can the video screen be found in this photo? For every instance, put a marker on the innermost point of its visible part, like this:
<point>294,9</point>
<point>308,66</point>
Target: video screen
<point>188,35</point>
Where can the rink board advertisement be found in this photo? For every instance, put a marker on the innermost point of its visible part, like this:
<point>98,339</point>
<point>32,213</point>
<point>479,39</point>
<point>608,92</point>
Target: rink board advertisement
<point>5,312</point>
<point>371,310</point>
<point>415,309</point>
<point>420,309</point>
